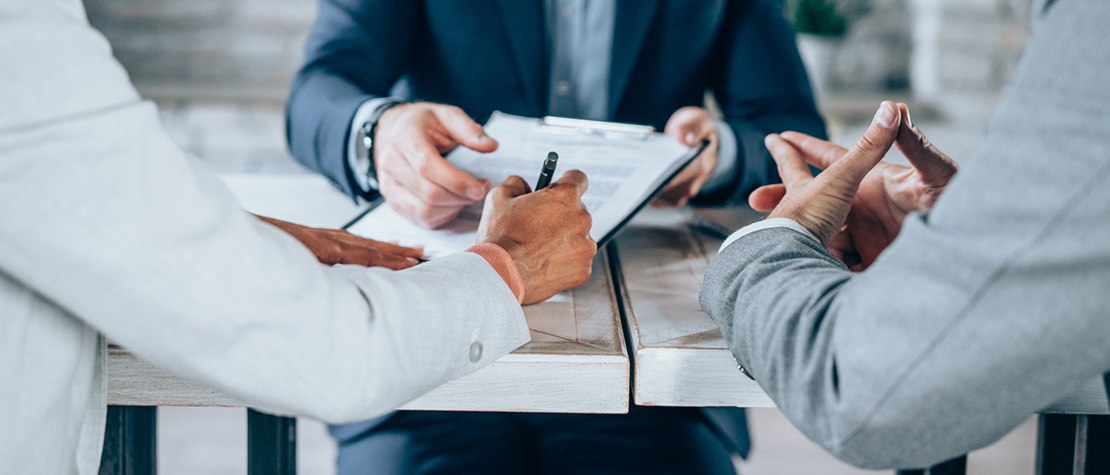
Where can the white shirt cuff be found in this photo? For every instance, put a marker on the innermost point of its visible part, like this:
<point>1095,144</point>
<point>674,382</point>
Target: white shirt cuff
<point>360,167</point>
<point>726,165</point>
<point>767,224</point>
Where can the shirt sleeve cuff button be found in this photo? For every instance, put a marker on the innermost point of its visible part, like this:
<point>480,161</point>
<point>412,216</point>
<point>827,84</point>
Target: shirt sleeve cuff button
<point>475,352</point>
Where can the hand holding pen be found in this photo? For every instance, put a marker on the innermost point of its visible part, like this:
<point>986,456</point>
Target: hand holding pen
<point>547,234</point>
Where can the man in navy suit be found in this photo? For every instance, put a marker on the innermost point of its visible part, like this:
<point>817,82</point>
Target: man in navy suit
<point>388,87</point>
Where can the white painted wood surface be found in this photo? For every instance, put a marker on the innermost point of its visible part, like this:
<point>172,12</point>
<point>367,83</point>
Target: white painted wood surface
<point>576,362</point>
<point>679,355</point>
<point>302,198</point>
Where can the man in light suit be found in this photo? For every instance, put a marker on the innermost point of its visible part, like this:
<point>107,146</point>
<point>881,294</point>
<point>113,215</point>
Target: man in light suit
<point>109,231</point>
<point>388,86</point>
<point>968,315</point>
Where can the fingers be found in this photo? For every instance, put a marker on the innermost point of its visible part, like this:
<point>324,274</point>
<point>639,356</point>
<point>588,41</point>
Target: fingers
<point>690,125</point>
<point>464,130</point>
<point>819,153</point>
<point>765,198</point>
<point>408,205</point>
<point>386,247</point>
<point>792,169</point>
<point>574,180</point>
<point>431,166</point>
<point>869,150</point>
<point>375,258</point>
<point>935,167</point>
<point>680,189</point>
<point>512,187</point>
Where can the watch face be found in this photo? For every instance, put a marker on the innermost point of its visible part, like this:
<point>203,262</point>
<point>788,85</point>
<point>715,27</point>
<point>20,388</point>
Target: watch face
<point>367,139</point>
<point>363,142</point>
<point>365,151</point>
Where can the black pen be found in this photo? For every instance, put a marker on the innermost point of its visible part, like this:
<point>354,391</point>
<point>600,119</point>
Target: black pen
<point>548,170</point>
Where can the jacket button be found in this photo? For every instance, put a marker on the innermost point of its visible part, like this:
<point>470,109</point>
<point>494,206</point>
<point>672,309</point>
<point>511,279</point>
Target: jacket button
<point>475,351</point>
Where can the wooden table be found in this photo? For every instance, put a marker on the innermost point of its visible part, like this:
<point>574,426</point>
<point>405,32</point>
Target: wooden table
<point>576,362</point>
<point>680,357</point>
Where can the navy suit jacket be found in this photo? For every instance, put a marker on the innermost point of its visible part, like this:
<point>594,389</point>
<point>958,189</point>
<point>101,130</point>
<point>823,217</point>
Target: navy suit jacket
<point>486,55</point>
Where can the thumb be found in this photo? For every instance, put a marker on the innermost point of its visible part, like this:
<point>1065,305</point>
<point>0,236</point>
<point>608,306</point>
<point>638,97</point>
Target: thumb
<point>765,198</point>
<point>464,130</point>
<point>868,151</point>
<point>689,125</point>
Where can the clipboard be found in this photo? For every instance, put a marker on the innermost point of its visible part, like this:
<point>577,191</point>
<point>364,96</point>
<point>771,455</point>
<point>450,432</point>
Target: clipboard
<point>627,165</point>
<point>610,130</point>
<point>654,194</point>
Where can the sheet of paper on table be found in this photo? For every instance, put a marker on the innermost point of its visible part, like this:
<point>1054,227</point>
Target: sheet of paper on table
<point>624,169</point>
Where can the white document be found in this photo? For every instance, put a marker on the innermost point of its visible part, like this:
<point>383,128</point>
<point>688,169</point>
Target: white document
<point>625,166</point>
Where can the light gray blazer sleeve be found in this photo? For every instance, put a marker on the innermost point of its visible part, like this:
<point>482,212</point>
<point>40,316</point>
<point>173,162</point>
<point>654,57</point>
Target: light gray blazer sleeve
<point>103,217</point>
<point>991,307</point>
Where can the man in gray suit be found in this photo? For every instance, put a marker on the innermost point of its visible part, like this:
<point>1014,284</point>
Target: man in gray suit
<point>986,308</point>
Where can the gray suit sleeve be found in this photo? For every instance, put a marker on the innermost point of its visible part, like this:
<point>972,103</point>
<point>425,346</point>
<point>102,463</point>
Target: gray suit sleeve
<point>986,310</point>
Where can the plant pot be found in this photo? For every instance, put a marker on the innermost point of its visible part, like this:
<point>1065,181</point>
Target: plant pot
<point>819,53</point>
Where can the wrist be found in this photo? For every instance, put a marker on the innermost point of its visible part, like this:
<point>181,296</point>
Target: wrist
<point>503,264</point>
<point>361,149</point>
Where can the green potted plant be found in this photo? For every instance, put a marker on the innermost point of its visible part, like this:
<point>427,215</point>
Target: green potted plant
<point>822,26</point>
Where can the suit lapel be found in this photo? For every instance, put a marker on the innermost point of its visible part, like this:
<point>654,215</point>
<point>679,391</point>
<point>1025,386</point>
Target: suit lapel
<point>524,30</point>
<point>634,18</point>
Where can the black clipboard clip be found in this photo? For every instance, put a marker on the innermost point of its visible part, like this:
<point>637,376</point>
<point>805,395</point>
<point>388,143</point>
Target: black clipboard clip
<point>610,130</point>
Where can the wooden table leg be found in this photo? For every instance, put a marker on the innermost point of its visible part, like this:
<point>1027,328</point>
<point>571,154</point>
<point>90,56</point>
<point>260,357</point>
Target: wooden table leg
<point>271,444</point>
<point>1055,444</point>
<point>130,441</point>
<point>956,466</point>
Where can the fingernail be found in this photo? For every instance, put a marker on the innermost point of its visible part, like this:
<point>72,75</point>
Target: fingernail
<point>690,138</point>
<point>885,115</point>
<point>769,140</point>
<point>476,192</point>
<point>909,120</point>
<point>411,261</point>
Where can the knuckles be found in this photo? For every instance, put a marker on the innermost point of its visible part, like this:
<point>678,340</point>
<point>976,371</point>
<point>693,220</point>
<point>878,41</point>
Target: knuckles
<point>868,143</point>
<point>431,217</point>
<point>423,163</point>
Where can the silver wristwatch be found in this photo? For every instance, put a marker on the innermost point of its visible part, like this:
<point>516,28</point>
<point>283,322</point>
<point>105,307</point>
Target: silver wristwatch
<point>364,146</point>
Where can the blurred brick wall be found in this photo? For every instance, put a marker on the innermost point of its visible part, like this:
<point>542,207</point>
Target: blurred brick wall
<point>215,49</point>
<point>220,69</point>
<point>207,49</point>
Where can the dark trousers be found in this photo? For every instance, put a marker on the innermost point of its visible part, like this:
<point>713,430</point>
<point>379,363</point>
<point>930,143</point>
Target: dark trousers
<point>647,440</point>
